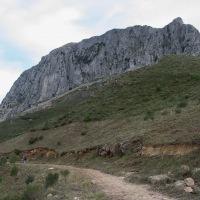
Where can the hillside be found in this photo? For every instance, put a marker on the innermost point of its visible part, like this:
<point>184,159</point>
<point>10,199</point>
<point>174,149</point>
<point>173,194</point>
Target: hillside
<point>166,92</point>
<point>112,53</point>
<point>152,112</point>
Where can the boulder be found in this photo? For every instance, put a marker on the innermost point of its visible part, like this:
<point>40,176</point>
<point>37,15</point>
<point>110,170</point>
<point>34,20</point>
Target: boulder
<point>185,171</point>
<point>49,195</point>
<point>160,179</point>
<point>117,150</point>
<point>180,185</point>
<point>189,182</point>
<point>188,190</point>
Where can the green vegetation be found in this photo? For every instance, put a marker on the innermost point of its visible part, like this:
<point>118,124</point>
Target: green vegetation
<point>65,173</point>
<point>35,139</point>
<point>13,159</point>
<point>20,190</point>
<point>33,192</point>
<point>3,161</point>
<point>160,104</point>
<point>129,94</point>
<point>51,179</point>
<point>14,171</point>
<point>29,179</point>
<point>17,152</point>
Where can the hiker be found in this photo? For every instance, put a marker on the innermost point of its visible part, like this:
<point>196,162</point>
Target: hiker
<point>24,159</point>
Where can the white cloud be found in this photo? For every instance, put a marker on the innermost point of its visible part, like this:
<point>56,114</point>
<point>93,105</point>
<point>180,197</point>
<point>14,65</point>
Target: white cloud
<point>9,72</point>
<point>43,26</point>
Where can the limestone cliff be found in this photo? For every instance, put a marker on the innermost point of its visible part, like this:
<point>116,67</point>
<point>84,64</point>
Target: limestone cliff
<point>114,52</point>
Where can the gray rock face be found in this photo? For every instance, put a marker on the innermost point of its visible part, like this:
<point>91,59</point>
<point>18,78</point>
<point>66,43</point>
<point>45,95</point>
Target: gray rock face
<point>112,53</point>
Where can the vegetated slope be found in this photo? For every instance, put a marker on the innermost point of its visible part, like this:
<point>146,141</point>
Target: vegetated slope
<point>98,57</point>
<point>160,99</point>
<point>159,104</point>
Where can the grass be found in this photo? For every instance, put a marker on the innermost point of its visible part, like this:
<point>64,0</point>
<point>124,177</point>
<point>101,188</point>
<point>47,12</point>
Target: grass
<point>161,104</point>
<point>76,185</point>
<point>122,106</point>
<point>162,86</point>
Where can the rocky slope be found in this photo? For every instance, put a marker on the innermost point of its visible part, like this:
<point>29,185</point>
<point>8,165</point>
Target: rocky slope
<point>114,52</point>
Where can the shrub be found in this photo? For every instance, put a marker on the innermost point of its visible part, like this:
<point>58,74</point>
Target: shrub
<point>41,137</point>
<point>84,133</point>
<point>65,173</point>
<point>33,140</point>
<point>13,159</point>
<point>29,179</point>
<point>3,161</point>
<point>17,152</point>
<point>182,104</point>
<point>59,143</point>
<point>164,113</point>
<point>149,114</point>
<point>51,179</point>
<point>33,192</point>
<point>14,171</point>
<point>45,127</point>
<point>88,118</point>
<point>195,77</point>
<point>1,179</point>
<point>177,110</point>
<point>158,88</point>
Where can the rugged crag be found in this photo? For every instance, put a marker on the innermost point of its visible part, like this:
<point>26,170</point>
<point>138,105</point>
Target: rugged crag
<point>114,52</point>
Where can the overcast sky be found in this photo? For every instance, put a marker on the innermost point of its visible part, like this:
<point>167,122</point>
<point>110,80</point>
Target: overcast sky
<point>30,29</point>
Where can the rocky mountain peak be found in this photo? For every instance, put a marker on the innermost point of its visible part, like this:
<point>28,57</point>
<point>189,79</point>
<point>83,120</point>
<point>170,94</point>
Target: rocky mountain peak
<point>112,53</point>
<point>178,20</point>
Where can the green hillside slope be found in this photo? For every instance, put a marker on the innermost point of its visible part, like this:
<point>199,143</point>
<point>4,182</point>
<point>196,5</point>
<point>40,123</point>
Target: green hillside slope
<point>167,88</point>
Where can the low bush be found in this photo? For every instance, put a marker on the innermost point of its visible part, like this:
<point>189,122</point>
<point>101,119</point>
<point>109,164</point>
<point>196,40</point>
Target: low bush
<point>3,161</point>
<point>13,159</point>
<point>41,137</point>
<point>29,179</point>
<point>182,104</point>
<point>84,133</point>
<point>158,88</point>
<point>149,114</point>
<point>14,171</point>
<point>65,173</point>
<point>32,140</point>
<point>17,152</point>
<point>51,179</point>
<point>33,192</point>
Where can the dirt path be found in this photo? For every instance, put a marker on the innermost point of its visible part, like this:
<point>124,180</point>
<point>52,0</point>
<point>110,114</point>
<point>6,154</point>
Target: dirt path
<point>114,187</point>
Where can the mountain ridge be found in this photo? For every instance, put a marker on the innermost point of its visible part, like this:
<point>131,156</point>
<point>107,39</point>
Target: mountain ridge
<point>114,52</point>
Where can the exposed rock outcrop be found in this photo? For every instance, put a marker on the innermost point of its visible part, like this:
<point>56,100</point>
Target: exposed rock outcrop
<point>114,52</point>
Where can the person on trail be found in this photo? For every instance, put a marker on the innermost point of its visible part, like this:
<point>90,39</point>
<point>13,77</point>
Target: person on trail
<point>24,159</point>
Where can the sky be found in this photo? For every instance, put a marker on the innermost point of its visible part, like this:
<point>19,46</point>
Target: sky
<point>30,29</point>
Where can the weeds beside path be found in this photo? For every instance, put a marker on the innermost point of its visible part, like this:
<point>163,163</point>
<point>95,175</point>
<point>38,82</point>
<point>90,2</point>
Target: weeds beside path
<point>114,187</point>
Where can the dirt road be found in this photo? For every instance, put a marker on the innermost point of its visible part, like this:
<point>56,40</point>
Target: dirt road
<point>114,187</point>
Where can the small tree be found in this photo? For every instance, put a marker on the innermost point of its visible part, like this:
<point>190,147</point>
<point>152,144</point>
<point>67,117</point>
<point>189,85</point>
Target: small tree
<point>65,173</point>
